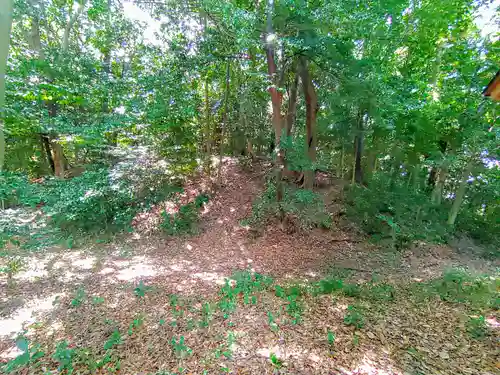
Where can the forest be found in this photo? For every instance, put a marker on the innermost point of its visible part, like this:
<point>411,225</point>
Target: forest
<point>250,187</point>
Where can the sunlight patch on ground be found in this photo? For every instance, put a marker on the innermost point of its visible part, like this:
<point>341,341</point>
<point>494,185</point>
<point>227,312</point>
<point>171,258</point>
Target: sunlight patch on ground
<point>368,366</point>
<point>136,271</point>
<point>25,315</point>
<point>285,352</point>
<point>493,322</point>
<point>210,277</point>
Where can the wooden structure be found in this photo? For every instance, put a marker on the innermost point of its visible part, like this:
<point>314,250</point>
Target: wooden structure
<point>493,88</point>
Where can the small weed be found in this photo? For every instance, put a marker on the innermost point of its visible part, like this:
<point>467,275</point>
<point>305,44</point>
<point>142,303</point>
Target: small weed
<point>294,309</point>
<point>137,322</point>
<point>276,362</point>
<point>331,338</point>
<point>114,340</point>
<point>64,356</point>
<point>328,286</point>
<point>141,289</point>
<point>28,357</point>
<point>78,298</point>
<point>271,321</point>
<point>354,317</point>
<point>379,292</point>
<point>181,351</point>
<point>207,312</point>
<point>96,300</point>
<point>355,340</point>
<point>477,328</point>
<point>458,286</point>
<point>351,290</point>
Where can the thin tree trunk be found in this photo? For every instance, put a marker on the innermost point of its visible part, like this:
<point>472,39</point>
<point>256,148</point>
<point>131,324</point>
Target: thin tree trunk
<point>460,194</point>
<point>224,120</point>
<point>276,99</point>
<point>5,26</point>
<point>291,115</point>
<point>358,171</point>
<point>342,153</point>
<point>60,162</point>
<point>292,106</point>
<point>311,111</point>
<point>48,153</point>
<point>353,179</point>
<point>437,193</point>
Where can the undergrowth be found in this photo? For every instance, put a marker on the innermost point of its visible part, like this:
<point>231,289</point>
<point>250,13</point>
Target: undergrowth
<point>300,207</point>
<point>185,219</point>
<point>246,289</point>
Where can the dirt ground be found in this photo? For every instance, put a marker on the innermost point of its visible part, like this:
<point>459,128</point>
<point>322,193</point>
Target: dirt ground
<point>181,281</point>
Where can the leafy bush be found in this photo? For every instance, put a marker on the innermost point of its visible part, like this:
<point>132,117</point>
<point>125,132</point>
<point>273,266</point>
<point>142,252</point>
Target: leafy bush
<point>15,189</point>
<point>458,286</point>
<point>477,328</point>
<point>184,221</point>
<point>98,199</point>
<point>397,212</point>
<point>89,201</point>
<point>304,207</point>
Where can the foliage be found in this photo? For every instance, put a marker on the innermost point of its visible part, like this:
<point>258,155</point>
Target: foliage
<point>354,317</point>
<point>477,328</point>
<point>458,286</point>
<point>397,212</point>
<point>29,357</point>
<point>15,189</point>
<point>185,219</point>
<point>300,207</point>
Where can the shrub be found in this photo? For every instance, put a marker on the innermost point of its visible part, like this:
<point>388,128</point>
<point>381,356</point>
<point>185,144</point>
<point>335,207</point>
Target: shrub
<point>457,286</point>
<point>15,189</point>
<point>304,207</point>
<point>354,317</point>
<point>89,201</point>
<point>397,212</point>
<point>183,221</point>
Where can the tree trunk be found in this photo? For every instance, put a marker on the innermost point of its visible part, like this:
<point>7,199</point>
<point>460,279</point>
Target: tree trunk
<point>5,26</point>
<point>276,99</point>
<point>459,195</point>
<point>342,152</point>
<point>311,111</point>
<point>358,171</point>
<point>48,153</point>
<point>224,120</point>
<point>290,116</point>
<point>292,106</point>
<point>431,181</point>
<point>60,162</point>
<point>437,193</point>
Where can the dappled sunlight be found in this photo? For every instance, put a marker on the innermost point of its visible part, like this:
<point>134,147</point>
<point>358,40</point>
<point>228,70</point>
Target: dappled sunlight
<point>210,277</point>
<point>136,267</point>
<point>26,315</point>
<point>369,366</point>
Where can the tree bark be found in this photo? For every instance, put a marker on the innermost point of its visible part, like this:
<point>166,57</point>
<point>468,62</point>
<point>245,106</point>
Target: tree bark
<point>460,194</point>
<point>276,100</point>
<point>48,153</point>
<point>358,171</point>
<point>292,106</point>
<point>60,162</point>
<point>437,193</point>
<point>311,111</point>
<point>224,119</point>
<point>5,26</point>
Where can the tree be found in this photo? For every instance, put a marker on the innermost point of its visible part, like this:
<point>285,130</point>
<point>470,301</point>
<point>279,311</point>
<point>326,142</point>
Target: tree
<point>5,25</point>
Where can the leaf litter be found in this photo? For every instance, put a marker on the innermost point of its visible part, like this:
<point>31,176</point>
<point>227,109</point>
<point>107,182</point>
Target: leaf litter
<point>182,317</point>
